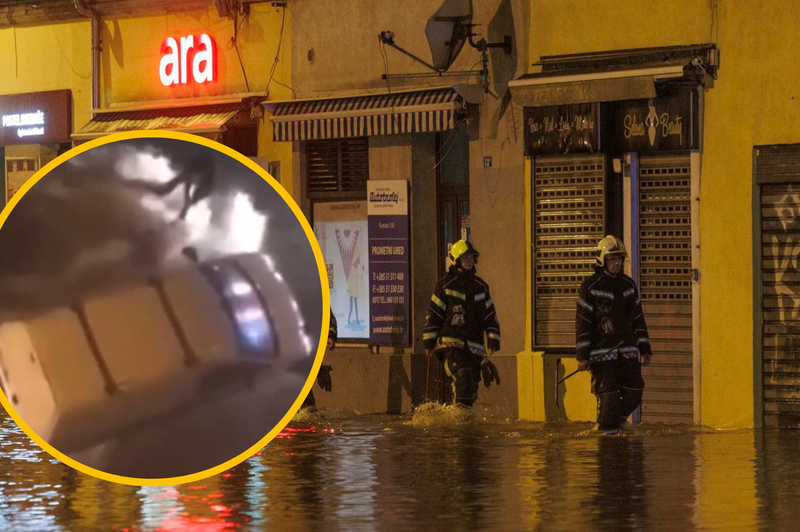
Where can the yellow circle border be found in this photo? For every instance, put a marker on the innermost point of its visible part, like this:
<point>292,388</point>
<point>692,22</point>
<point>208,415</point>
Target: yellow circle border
<point>194,477</point>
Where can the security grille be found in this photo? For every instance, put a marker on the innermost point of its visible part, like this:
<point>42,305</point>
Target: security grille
<point>665,264</point>
<point>569,220</point>
<point>780,278</point>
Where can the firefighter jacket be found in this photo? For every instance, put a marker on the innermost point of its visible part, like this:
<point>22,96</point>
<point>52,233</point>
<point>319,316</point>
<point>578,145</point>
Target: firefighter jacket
<point>610,314</point>
<point>460,312</point>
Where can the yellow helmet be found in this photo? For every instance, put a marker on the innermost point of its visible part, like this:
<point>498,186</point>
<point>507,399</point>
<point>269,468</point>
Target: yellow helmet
<point>610,245</point>
<point>461,247</point>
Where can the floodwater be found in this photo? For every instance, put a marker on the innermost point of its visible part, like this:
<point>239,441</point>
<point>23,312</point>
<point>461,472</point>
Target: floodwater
<point>440,470</point>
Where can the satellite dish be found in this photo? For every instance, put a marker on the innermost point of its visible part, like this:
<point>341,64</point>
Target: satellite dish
<point>447,31</point>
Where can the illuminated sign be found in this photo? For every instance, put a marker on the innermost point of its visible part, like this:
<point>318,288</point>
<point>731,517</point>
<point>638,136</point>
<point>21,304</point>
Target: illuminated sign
<point>23,120</point>
<point>185,55</point>
<point>35,117</point>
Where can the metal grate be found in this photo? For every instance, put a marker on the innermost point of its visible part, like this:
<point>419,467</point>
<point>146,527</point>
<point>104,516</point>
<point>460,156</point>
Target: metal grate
<point>337,168</point>
<point>780,288</point>
<point>665,284</point>
<point>569,219</point>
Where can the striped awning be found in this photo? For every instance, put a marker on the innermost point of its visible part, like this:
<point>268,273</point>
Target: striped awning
<point>362,116</point>
<point>196,119</point>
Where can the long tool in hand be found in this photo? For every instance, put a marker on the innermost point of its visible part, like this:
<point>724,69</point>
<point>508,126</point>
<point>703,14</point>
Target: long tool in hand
<point>428,379</point>
<point>604,353</point>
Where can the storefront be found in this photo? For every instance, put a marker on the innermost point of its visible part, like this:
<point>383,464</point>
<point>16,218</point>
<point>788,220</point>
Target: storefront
<point>616,150</point>
<point>369,165</point>
<point>34,129</point>
<point>184,79</point>
<point>776,244</point>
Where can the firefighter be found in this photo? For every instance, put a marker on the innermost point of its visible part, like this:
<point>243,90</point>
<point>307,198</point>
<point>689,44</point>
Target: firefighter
<point>461,312</point>
<point>324,376</point>
<point>611,336</point>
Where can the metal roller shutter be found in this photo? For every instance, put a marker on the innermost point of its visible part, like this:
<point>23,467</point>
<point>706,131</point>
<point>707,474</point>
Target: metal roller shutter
<point>569,220</point>
<point>777,171</point>
<point>780,278</point>
<point>665,284</point>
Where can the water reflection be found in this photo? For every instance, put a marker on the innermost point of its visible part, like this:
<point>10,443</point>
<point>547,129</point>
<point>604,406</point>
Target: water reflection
<point>776,485</point>
<point>381,472</point>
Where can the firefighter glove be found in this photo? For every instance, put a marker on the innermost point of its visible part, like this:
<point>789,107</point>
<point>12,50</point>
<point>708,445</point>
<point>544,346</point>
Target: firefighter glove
<point>489,372</point>
<point>324,378</point>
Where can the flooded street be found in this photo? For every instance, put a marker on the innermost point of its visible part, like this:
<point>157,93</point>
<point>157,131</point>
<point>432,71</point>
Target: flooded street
<point>435,471</point>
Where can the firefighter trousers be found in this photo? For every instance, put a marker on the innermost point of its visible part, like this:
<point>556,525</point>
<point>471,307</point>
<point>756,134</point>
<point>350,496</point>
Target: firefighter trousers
<point>618,385</point>
<point>464,370</point>
<point>309,401</point>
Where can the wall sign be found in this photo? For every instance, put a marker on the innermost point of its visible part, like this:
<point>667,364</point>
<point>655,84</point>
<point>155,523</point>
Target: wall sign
<point>387,210</point>
<point>561,129</point>
<point>188,55</point>
<point>664,123</point>
<point>35,117</point>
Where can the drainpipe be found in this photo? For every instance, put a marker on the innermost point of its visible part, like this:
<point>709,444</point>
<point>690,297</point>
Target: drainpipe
<point>86,11</point>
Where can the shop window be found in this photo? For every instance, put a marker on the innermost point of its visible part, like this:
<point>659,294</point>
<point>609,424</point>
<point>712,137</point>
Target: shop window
<point>337,169</point>
<point>341,230</point>
<point>336,182</point>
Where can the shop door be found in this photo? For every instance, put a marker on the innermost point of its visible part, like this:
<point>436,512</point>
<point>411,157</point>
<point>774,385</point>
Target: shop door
<point>778,174</point>
<point>454,213</point>
<point>569,220</point>
<point>452,191</point>
<point>665,284</point>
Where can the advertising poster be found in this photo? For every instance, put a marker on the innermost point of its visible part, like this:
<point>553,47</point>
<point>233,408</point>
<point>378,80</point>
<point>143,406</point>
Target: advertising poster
<point>341,230</point>
<point>389,262</point>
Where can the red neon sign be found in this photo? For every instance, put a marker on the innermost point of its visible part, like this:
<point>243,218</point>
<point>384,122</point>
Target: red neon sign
<point>188,54</point>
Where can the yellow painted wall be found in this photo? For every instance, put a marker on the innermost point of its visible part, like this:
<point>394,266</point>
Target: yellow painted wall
<point>49,58</point>
<point>133,49</point>
<point>756,100</point>
<point>573,26</point>
<point>133,53</point>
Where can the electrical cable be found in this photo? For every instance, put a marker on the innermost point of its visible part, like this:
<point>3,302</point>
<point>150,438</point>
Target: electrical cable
<point>382,48</point>
<point>275,60</point>
<point>235,41</point>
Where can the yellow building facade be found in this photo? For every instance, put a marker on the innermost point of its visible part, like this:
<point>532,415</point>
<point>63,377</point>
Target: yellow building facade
<point>740,300</point>
<point>744,374</point>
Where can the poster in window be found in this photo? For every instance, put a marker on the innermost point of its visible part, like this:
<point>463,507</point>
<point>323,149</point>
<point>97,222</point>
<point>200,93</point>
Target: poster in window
<point>341,230</point>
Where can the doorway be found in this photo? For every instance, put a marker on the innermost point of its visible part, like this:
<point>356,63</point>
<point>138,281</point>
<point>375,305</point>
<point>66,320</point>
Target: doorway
<point>452,191</point>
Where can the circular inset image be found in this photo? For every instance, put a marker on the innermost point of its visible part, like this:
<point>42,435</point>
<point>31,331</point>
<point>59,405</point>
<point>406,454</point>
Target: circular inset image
<point>162,308</point>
